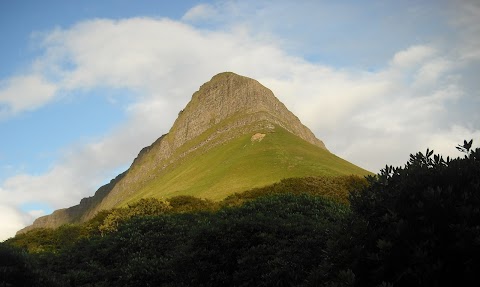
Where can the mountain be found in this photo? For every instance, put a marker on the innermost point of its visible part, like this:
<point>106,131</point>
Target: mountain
<point>233,135</point>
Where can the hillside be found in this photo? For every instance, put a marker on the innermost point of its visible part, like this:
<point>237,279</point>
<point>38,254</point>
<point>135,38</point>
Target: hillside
<point>233,135</point>
<point>244,163</point>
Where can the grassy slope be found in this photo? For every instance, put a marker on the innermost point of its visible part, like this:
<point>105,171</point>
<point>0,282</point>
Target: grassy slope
<point>241,164</point>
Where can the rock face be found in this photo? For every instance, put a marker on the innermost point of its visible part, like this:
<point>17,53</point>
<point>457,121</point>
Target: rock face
<point>224,108</point>
<point>228,95</point>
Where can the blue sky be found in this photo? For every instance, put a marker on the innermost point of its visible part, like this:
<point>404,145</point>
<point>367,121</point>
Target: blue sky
<point>84,85</point>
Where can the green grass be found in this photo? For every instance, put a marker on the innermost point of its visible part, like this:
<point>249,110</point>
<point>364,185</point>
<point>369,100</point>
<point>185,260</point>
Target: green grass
<point>240,165</point>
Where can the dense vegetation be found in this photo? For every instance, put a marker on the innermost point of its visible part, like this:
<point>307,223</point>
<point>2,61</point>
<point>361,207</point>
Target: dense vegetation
<point>417,225</point>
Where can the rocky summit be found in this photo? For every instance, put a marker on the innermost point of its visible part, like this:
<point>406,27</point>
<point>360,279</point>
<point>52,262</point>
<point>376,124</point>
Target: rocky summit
<point>232,136</point>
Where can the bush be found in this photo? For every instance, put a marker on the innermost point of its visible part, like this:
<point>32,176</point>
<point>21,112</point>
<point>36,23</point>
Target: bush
<point>48,240</point>
<point>337,188</point>
<point>18,269</point>
<point>143,207</point>
<point>271,241</point>
<point>422,223</point>
<point>186,203</point>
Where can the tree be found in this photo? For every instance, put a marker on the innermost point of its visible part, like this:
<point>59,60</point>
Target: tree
<point>187,203</point>
<point>18,269</point>
<point>143,207</point>
<point>422,222</point>
<point>271,241</point>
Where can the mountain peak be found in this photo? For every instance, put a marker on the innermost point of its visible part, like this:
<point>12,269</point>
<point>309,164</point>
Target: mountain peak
<point>231,96</point>
<point>225,75</point>
<point>233,135</point>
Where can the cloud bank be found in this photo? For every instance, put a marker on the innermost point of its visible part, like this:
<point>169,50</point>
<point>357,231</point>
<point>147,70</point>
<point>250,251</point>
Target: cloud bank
<point>24,93</point>
<point>371,118</point>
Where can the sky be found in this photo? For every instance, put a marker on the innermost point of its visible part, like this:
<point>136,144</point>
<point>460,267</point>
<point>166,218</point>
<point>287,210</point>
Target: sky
<point>84,85</point>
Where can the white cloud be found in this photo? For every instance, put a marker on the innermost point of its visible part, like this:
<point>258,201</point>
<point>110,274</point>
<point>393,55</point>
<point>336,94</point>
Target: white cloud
<point>11,220</point>
<point>200,12</point>
<point>430,72</point>
<point>412,56</point>
<point>24,93</point>
<point>370,118</point>
<point>325,98</point>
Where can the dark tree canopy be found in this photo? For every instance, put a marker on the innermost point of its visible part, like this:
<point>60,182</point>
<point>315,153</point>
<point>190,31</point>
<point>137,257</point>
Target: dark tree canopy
<point>422,222</point>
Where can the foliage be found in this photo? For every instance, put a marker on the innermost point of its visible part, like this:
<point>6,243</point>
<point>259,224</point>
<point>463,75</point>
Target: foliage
<point>18,269</point>
<point>49,240</point>
<point>272,241</point>
<point>92,227</point>
<point>187,203</point>
<point>422,222</point>
<point>137,254</point>
<point>337,188</point>
<point>144,207</point>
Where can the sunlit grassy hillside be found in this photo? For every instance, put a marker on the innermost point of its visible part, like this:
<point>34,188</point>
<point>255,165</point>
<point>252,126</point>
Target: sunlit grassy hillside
<point>242,164</point>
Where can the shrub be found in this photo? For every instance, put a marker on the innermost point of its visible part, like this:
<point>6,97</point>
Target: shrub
<point>422,223</point>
